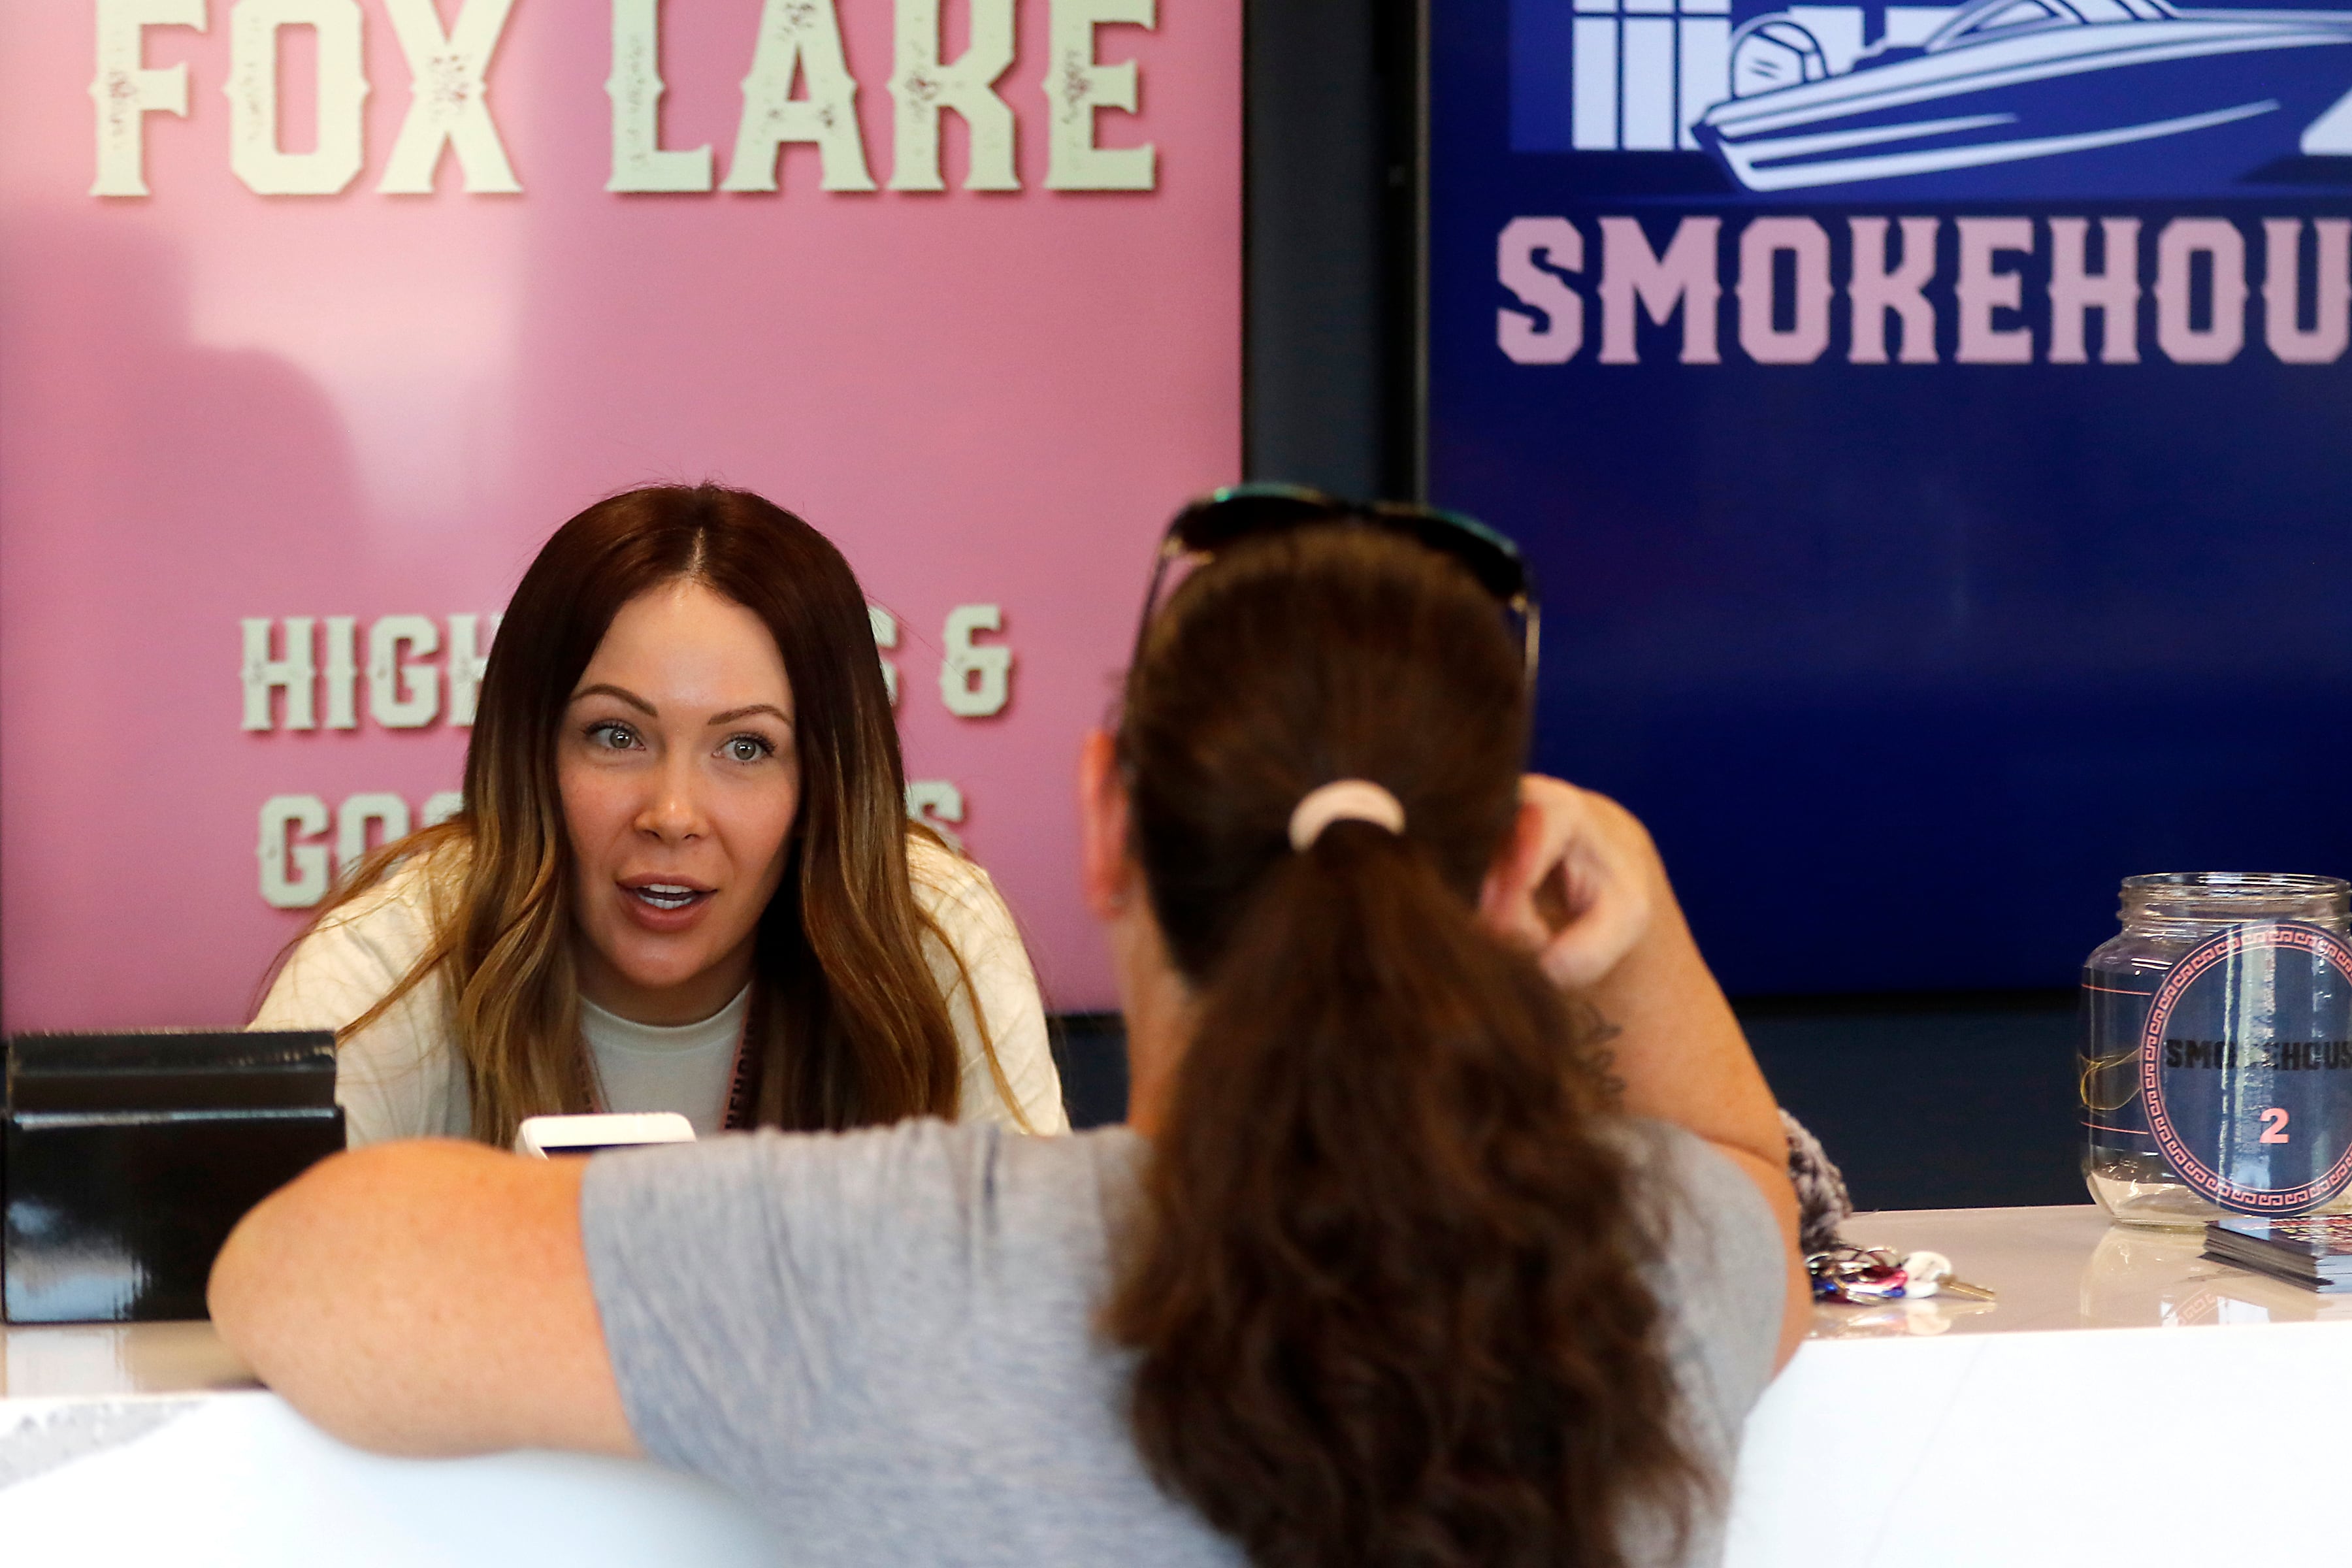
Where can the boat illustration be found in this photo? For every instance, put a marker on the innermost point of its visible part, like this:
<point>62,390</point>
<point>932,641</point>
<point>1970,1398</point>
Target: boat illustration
<point>2038,98</point>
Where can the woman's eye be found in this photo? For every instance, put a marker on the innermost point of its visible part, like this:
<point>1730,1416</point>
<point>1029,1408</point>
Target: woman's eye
<point>611,736</point>
<point>747,749</point>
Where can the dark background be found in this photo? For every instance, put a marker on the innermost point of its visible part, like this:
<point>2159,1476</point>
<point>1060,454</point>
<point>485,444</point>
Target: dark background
<point>1926,1101</point>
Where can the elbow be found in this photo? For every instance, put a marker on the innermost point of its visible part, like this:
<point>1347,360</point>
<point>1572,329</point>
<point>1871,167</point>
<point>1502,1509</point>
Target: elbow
<point>339,1291</point>
<point>231,1293</point>
<point>283,1294</point>
<point>261,1266</point>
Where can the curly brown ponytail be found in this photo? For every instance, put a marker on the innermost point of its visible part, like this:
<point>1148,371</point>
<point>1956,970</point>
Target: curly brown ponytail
<point>1387,1291</point>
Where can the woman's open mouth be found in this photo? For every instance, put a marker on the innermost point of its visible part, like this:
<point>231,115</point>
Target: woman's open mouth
<point>668,897</point>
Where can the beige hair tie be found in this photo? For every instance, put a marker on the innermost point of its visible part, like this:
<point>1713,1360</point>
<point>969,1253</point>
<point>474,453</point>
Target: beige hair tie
<point>1343,800</point>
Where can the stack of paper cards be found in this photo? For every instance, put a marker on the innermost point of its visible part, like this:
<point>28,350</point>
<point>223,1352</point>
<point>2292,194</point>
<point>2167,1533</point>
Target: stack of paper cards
<point>2312,1251</point>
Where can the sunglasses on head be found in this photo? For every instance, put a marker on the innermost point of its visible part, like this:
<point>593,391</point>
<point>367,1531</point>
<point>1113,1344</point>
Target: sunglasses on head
<point>1227,517</point>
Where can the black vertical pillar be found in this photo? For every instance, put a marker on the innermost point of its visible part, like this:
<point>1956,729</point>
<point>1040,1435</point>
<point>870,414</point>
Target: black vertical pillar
<point>1332,338</point>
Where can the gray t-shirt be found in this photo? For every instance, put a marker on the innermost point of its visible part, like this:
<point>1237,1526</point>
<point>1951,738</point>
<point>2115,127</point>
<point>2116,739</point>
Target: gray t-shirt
<point>884,1340</point>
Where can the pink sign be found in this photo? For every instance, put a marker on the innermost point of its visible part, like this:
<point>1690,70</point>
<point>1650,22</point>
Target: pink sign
<point>317,316</point>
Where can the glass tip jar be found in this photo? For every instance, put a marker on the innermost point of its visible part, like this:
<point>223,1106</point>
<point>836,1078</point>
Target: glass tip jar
<point>2132,1159</point>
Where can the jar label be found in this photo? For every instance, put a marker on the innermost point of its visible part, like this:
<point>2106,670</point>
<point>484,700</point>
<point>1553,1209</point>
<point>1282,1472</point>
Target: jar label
<point>2246,1067</point>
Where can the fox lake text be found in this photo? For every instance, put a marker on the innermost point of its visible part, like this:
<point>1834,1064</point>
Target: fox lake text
<point>2052,289</point>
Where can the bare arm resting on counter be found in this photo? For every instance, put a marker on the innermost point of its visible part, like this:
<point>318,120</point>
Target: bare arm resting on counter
<point>427,1298</point>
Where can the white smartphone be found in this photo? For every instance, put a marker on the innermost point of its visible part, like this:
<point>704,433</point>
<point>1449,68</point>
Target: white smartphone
<point>542,1136</point>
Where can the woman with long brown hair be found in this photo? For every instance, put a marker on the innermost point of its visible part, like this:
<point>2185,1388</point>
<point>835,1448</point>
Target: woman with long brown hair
<point>1405,1257</point>
<point>683,879</point>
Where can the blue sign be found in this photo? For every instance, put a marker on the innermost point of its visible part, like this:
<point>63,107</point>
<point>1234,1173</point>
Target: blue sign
<point>2246,1067</point>
<point>1933,428</point>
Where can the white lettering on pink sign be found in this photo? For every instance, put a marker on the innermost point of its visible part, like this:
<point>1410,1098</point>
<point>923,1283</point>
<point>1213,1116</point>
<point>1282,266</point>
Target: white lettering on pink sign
<point>797,90</point>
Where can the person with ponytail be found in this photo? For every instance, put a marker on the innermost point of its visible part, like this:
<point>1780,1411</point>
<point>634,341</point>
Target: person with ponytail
<point>1450,1223</point>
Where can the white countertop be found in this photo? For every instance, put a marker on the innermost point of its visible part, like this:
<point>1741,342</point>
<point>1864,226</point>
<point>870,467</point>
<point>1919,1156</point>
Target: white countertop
<point>2067,1424</point>
<point>111,1359</point>
<point>2066,1268</point>
<point>1935,1433</point>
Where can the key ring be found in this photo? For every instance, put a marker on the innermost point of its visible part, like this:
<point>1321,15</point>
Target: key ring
<point>1862,1276</point>
<point>1855,1275</point>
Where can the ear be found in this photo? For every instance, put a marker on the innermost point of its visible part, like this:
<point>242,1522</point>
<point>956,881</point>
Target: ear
<point>1104,869</point>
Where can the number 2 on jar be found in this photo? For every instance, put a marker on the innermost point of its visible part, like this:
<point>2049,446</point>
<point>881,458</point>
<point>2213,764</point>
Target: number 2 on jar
<point>2274,1125</point>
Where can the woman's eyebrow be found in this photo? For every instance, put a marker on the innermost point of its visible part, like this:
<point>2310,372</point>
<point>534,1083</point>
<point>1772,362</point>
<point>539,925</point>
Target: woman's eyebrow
<point>603,690</point>
<point>732,714</point>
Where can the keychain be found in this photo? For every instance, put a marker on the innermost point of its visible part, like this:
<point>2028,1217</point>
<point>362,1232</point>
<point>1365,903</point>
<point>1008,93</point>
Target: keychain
<point>1930,1274</point>
<point>1862,1274</point>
